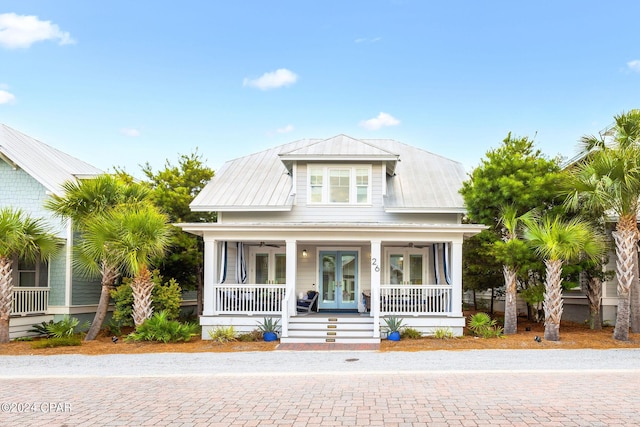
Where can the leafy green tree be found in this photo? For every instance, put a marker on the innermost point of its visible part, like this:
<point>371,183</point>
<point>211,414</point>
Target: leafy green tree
<point>84,202</point>
<point>608,179</point>
<point>20,237</point>
<point>480,268</point>
<point>519,178</point>
<point>173,189</point>
<point>557,241</point>
<point>515,174</point>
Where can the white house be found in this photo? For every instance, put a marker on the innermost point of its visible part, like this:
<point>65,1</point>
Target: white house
<point>30,171</point>
<point>374,226</point>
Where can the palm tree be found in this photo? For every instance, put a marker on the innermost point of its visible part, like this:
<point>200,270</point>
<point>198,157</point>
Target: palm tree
<point>23,237</point>
<point>608,179</point>
<point>558,241</point>
<point>509,222</point>
<point>134,236</point>
<point>84,202</point>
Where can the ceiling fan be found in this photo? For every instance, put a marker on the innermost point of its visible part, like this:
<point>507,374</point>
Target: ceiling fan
<point>412,245</point>
<point>263,244</point>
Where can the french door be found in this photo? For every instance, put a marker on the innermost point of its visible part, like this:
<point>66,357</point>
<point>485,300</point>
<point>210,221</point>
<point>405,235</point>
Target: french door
<point>269,266</point>
<point>406,266</point>
<point>338,280</point>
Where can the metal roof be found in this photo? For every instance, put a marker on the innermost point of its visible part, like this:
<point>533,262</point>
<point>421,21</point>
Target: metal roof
<point>49,166</point>
<point>422,182</point>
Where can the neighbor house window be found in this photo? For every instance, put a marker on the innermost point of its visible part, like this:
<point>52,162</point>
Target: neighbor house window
<point>340,184</point>
<point>31,274</point>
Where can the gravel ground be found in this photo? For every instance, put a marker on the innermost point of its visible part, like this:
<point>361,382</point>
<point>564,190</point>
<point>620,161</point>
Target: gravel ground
<point>286,362</point>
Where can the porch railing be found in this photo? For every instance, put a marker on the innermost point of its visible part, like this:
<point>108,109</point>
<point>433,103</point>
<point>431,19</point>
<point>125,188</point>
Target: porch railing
<point>249,299</point>
<point>29,301</point>
<point>415,299</point>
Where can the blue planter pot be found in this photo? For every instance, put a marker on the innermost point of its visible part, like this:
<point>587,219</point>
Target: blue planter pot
<point>394,336</point>
<point>270,336</point>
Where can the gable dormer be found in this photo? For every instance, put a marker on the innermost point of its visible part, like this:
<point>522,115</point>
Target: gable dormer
<point>339,169</point>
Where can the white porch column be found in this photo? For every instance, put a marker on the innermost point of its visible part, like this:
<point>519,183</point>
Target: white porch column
<point>292,262</point>
<point>456,270</point>
<point>210,272</point>
<point>376,268</point>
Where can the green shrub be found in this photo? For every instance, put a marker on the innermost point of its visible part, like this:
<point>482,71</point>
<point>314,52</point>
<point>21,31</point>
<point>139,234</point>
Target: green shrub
<point>41,328</point>
<point>255,335</point>
<point>23,339</point>
<point>62,328</point>
<point>482,325</point>
<point>164,297</point>
<point>223,334</point>
<point>411,333</point>
<point>70,340</point>
<point>443,333</point>
<point>160,328</point>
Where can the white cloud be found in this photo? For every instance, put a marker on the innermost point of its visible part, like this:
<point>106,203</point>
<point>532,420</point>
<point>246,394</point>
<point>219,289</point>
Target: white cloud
<point>130,132</point>
<point>286,129</point>
<point>279,78</point>
<point>6,97</point>
<point>634,65</point>
<point>367,40</point>
<point>21,31</point>
<point>383,119</point>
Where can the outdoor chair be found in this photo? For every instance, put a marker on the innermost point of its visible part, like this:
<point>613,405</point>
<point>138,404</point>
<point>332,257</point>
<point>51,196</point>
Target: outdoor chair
<point>308,304</point>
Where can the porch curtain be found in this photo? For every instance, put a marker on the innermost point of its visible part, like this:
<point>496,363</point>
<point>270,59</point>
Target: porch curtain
<point>223,263</point>
<point>436,266</point>
<point>445,262</point>
<point>241,266</point>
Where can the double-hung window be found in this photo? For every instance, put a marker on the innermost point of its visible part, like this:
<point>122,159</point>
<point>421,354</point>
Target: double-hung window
<point>340,184</point>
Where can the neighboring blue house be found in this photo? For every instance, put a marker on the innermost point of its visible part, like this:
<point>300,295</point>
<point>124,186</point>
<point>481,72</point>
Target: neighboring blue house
<point>30,171</point>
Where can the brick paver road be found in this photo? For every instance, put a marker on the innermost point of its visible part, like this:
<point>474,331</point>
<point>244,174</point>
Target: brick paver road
<point>470,398</point>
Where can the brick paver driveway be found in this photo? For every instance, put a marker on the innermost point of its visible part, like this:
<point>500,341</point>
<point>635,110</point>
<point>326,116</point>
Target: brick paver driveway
<point>357,392</point>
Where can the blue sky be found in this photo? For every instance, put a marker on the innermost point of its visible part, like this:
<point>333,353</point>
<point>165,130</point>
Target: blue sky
<point>124,83</point>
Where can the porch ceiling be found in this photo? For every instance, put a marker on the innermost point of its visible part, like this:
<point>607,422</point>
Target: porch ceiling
<point>323,232</point>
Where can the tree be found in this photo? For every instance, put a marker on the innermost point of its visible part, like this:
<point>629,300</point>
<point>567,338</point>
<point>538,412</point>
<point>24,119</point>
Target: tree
<point>84,202</point>
<point>134,236</point>
<point>513,253</point>
<point>608,179</point>
<point>516,176</point>
<point>20,237</point>
<point>172,190</point>
<point>558,241</point>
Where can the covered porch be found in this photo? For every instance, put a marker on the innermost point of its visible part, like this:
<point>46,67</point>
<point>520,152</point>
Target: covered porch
<point>373,271</point>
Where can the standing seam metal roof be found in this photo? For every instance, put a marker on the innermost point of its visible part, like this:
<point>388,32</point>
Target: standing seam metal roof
<point>49,166</point>
<point>422,180</point>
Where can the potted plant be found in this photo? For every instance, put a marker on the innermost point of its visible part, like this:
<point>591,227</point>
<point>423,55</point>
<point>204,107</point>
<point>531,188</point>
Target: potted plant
<point>269,328</point>
<point>394,325</point>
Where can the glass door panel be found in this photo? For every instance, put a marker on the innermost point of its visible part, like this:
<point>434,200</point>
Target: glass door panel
<point>338,280</point>
<point>396,262</point>
<point>415,269</point>
<point>262,268</point>
<point>281,268</point>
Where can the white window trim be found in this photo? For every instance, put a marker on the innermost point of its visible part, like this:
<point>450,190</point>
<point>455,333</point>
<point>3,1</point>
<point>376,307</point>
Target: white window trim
<point>353,186</point>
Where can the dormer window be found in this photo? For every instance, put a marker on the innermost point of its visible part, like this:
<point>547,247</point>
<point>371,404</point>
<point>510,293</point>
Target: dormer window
<point>340,184</point>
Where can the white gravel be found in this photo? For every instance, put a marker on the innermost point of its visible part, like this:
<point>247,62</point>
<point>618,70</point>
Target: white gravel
<point>303,362</point>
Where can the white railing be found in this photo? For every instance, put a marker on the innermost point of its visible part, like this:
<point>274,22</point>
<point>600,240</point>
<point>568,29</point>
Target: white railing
<point>415,299</point>
<point>248,299</point>
<point>284,327</point>
<point>29,301</point>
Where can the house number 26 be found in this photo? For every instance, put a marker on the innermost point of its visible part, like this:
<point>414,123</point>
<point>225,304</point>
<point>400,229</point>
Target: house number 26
<point>374,262</point>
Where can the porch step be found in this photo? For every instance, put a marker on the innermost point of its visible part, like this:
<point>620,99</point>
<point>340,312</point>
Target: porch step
<point>339,329</point>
